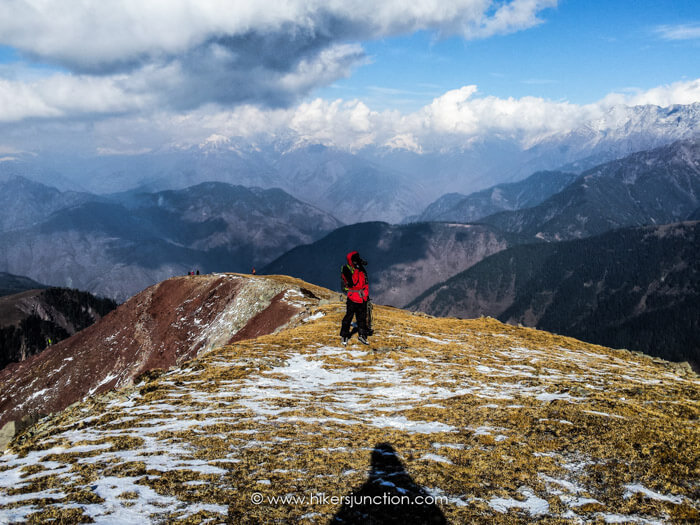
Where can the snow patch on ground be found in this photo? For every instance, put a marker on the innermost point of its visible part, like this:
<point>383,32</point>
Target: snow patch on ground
<point>427,338</point>
<point>636,488</point>
<point>314,317</point>
<point>134,510</point>
<point>436,457</point>
<point>533,505</point>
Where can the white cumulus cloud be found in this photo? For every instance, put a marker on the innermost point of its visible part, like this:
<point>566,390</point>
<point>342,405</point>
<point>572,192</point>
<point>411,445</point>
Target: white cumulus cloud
<point>452,120</point>
<point>188,53</point>
<point>685,92</point>
<point>113,33</point>
<point>64,95</point>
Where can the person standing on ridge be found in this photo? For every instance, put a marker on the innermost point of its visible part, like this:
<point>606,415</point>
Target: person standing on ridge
<point>355,284</point>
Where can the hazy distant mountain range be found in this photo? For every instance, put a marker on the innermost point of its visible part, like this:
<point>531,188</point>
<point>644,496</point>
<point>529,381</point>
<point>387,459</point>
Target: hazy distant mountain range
<point>373,183</point>
<point>526,193</point>
<point>117,245</point>
<point>651,187</point>
<point>637,288</point>
<point>24,203</point>
<point>655,187</point>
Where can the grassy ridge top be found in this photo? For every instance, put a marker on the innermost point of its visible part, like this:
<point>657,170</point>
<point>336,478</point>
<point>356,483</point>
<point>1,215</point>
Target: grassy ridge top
<point>508,424</point>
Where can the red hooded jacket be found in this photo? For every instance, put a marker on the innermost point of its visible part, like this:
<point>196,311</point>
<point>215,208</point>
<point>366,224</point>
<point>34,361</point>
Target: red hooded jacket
<point>358,289</point>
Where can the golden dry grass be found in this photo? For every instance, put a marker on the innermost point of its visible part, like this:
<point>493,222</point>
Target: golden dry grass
<point>476,411</point>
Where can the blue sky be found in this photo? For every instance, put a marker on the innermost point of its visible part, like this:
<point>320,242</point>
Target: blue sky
<point>583,50</point>
<point>123,77</point>
<point>8,54</point>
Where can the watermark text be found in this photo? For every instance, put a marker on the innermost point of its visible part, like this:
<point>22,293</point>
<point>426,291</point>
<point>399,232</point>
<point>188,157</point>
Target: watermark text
<point>349,500</point>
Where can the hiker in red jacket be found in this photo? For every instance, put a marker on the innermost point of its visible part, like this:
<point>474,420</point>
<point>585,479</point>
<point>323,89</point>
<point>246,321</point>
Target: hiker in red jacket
<point>355,284</point>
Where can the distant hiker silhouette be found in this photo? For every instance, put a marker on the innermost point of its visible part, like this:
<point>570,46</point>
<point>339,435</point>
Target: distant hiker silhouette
<point>389,496</point>
<point>253,272</point>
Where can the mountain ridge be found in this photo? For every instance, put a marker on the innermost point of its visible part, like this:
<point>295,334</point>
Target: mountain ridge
<point>118,245</point>
<point>652,187</point>
<point>497,424</point>
<point>32,320</point>
<point>301,168</point>
<point>149,331</point>
<point>529,192</point>
<point>11,284</point>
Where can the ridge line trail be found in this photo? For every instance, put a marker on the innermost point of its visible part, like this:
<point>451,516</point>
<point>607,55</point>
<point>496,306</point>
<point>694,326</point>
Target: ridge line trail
<point>508,423</point>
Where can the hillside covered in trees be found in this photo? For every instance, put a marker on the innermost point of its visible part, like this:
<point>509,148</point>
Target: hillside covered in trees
<point>636,288</point>
<point>32,320</point>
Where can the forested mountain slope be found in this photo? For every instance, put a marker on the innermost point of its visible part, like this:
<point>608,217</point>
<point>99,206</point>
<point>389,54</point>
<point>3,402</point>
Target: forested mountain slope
<point>404,260</point>
<point>651,187</point>
<point>32,320</point>
<point>636,288</point>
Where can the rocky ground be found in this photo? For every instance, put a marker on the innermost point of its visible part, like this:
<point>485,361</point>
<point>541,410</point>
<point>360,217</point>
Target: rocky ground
<point>468,421</point>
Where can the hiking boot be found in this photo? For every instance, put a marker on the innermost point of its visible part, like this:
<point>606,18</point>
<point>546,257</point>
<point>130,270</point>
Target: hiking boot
<point>344,341</point>
<point>361,339</point>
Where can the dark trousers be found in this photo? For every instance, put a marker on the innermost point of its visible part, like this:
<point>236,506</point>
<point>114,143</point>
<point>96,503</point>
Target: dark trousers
<point>359,311</point>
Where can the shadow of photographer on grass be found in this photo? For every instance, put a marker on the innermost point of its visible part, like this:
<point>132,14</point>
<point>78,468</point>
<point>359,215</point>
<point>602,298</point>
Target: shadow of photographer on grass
<point>389,496</point>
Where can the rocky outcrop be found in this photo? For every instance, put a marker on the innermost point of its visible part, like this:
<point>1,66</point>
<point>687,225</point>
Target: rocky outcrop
<point>160,327</point>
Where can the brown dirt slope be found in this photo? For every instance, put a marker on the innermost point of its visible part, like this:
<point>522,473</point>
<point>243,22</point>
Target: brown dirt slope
<point>12,309</point>
<point>500,424</point>
<point>160,327</point>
